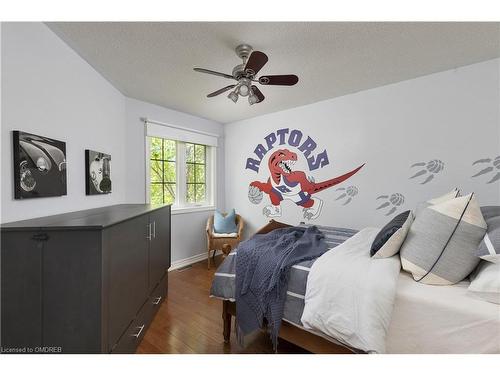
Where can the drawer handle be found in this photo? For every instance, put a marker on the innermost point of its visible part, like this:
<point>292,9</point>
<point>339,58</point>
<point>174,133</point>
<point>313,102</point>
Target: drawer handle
<point>40,237</point>
<point>157,301</point>
<point>148,237</point>
<point>140,331</point>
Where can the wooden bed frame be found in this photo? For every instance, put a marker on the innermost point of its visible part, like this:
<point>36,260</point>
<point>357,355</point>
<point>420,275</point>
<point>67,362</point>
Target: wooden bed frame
<point>288,332</point>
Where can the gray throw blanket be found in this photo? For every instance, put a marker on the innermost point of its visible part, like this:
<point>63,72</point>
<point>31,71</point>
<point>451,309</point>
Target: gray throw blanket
<point>262,269</point>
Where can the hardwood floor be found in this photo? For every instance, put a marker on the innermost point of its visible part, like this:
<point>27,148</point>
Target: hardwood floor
<point>189,321</point>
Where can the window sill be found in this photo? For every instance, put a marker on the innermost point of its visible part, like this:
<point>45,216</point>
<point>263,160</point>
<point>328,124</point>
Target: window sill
<point>187,210</point>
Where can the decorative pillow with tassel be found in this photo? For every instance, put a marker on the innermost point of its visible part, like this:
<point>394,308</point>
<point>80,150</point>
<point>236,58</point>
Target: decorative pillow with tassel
<point>442,241</point>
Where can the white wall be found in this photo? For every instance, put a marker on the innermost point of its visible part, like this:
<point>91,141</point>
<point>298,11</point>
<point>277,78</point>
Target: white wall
<point>188,236</point>
<point>48,89</point>
<point>452,116</point>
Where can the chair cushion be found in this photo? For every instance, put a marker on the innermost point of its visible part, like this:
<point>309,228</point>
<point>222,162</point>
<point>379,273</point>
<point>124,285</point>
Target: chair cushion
<point>225,224</point>
<point>224,235</point>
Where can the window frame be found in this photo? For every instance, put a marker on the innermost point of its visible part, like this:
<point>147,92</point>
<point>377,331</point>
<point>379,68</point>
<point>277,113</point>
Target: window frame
<point>180,205</point>
<point>194,165</point>
<point>163,160</point>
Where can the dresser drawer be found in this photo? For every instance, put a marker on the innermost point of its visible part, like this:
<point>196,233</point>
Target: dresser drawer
<point>133,335</point>
<point>158,295</point>
<point>135,332</point>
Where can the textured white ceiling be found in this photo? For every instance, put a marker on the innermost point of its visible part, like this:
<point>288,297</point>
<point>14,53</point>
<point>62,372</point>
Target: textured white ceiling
<point>154,62</point>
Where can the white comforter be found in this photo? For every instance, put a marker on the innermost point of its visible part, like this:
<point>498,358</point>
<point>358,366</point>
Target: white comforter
<point>350,296</point>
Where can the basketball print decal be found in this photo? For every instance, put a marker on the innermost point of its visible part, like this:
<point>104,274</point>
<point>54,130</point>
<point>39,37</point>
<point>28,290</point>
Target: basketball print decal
<point>489,167</point>
<point>393,201</point>
<point>347,195</point>
<point>427,170</point>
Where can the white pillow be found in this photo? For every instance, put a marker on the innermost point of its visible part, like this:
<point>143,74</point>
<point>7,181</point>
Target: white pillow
<point>485,282</point>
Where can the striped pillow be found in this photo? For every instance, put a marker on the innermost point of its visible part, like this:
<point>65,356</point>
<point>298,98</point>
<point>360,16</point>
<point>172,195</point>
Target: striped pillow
<point>455,193</point>
<point>489,248</point>
<point>443,198</point>
<point>440,245</point>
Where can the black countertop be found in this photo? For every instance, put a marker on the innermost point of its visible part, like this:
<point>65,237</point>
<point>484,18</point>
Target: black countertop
<point>96,218</point>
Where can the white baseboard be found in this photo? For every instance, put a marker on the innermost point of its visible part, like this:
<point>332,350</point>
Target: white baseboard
<point>187,261</point>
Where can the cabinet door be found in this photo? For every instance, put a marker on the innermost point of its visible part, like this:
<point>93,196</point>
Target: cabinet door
<point>72,291</point>
<point>21,289</point>
<point>159,247</point>
<point>127,245</point>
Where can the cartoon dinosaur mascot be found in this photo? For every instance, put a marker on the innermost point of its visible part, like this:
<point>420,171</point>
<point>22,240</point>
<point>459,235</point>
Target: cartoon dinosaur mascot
<point>286,183</point>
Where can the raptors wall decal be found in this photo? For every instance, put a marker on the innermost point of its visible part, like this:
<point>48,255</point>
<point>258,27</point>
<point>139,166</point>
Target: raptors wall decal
<point>286,183</point>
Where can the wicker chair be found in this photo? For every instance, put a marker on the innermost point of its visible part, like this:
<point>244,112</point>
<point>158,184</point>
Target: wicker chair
<point>217,243</point>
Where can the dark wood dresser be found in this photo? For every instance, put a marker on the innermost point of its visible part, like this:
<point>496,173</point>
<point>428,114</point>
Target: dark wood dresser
<point>83,282</point>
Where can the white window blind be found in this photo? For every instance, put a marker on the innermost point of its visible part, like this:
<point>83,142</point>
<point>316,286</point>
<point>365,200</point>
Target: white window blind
<point>178,133</point>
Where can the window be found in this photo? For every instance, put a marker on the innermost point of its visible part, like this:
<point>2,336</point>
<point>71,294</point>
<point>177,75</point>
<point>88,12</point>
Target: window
<point>195,172</point>
<point>179,173</point>
<point>163,174</point>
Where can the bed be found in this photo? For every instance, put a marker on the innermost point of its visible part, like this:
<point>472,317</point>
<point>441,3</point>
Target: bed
<point>425,318</point>
<point>441,319</point>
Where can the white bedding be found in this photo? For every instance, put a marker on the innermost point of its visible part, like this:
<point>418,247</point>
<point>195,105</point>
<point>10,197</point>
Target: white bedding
<point>441,319</point>
<point>350,296</point>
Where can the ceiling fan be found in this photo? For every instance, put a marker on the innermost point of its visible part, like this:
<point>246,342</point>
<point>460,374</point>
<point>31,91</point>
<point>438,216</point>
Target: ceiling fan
<point>246,73</point>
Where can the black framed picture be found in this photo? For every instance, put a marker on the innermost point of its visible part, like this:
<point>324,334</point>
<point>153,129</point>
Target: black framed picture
<point>97,173</point>
<point>39,166</point>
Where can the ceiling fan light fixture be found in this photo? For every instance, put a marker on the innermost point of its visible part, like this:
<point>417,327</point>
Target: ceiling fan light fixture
<point>244,86</point>
<point>233,95</point>
<point>252,99</point>
<point>243,90</point>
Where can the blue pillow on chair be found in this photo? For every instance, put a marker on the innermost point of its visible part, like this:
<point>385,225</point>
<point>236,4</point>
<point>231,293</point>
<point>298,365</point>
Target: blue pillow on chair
<point>225,224</point>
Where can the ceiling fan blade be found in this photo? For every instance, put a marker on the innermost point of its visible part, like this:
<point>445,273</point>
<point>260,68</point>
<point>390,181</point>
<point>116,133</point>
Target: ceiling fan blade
<point>258,93</point>
<point>220,91</point>
<point>284,80</point>
<point>255,62</point>
<point>201,70</point>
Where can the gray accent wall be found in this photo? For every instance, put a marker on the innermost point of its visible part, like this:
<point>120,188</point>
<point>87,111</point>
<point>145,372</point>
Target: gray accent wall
<point>451,116</point>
